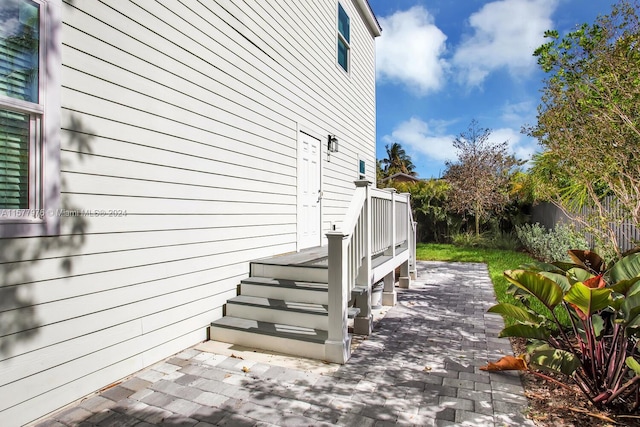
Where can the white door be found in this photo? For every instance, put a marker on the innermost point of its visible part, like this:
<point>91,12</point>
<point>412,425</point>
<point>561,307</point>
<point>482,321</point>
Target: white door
<point>309,191</point>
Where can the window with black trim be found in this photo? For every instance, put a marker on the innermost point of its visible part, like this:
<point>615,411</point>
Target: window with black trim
<point>344,48</point>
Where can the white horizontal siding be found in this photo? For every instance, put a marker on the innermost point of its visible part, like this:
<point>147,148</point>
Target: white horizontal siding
<point>184,115</point>
<point>210,221</point>
<point>164,260</point>
<point>138,318</point>
<point>116,186</point>
<point>83,126</point>
<point>111,315</point>
<point>210,88</point>
<point>179,172</point>
<point>291,30</point>
<point>79,377</point>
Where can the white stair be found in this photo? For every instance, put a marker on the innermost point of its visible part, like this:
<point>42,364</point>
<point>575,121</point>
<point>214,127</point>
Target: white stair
<point>317,274</point>
<point>288,339</point>
<point>304,314</point>
<point>284,312</point>
<point>311,292</point>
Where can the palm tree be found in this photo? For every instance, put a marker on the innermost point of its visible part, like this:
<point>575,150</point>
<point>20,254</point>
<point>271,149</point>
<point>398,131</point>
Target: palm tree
<point>397,161</point>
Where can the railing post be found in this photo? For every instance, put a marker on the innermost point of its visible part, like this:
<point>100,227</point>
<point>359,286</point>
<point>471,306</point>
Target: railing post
<point>363,322</point>
<point>405,278</point>
<point>338,343</point>
<point>391,250</point>
<point>389,294</point>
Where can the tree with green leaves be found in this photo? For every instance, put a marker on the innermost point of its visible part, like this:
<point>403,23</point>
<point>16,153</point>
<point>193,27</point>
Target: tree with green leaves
<point>480,178</point>
<point>397,161</point>
<point>379,174</point>
<point>589,119</point>
<point>429,201</point>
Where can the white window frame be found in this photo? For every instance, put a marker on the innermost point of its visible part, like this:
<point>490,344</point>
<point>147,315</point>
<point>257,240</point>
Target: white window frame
<point>340,38</point>
<point>41,218</point>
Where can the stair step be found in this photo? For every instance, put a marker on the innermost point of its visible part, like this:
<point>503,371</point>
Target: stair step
<point>295,340</point>
<point>277,304</point>
<point>279,311</point>
<point>291,272</point>
<point>285,289</point>
<point>287,283</point>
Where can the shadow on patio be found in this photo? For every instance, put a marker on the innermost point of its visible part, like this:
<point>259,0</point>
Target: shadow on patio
<point>419,367</point>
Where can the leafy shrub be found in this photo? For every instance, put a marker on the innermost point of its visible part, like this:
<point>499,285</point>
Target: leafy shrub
<point>504,240</point>
<point>550,245</point>
<point>469,239</point>
<point>598,350</point>
<point>490,240</point>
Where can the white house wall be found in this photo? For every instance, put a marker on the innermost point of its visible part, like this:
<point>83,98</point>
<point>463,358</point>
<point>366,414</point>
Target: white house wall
<point>184,115</point>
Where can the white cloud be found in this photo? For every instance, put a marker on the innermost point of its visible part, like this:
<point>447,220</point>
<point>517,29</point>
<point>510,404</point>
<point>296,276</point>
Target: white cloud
<point>522,147</point>
<point>410,49</point>
<point>519,113</point>
<point>430,140</point>
<point>422,138</point>
<point>505,34</point>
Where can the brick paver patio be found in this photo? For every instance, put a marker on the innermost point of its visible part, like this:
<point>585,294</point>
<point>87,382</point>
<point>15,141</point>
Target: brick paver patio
<point>419,367</point>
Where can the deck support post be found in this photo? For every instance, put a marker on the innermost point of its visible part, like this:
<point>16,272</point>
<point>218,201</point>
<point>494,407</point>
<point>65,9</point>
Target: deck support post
<point>338,343</point>
<point>389,294</point>
<point>405,278</point>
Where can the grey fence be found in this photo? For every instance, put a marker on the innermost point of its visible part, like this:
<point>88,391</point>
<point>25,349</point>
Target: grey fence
<point>627,233</point>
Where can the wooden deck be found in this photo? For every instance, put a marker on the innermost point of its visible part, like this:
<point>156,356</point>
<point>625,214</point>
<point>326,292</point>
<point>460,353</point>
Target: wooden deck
<point>317,257</point>
<point>310,257</point>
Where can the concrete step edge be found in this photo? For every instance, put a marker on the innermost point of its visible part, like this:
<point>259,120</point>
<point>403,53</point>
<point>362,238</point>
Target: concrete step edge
<point>298,333</point>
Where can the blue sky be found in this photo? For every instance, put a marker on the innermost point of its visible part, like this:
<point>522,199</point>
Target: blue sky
<point>442,63</point>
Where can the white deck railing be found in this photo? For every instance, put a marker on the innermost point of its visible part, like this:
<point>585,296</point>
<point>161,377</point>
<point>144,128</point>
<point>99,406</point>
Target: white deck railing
<point>377,226</point>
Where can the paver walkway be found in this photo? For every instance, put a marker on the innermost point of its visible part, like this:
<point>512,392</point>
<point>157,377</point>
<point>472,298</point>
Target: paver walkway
<point>419,367</point>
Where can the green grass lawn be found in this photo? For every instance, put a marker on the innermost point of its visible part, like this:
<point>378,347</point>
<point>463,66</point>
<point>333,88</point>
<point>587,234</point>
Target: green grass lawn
<point>497,261</point>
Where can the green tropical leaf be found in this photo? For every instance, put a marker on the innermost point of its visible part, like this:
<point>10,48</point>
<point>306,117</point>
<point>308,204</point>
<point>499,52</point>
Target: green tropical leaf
<point>625,269</point>
<point>561,279</point>
<point>542,266</point>
<point>633,289</point>
<point>525,331</point>
<point>564,266</point>
<point>534,345</point>
<point>544,289</point>
<point>633,364</point>
<point>631,309</point>
<point>588,300</point>
<point>578,275</point>
<point>554,360</point>
<point>514,312</point>
<point>625,286</point>
<point>597,323</point>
